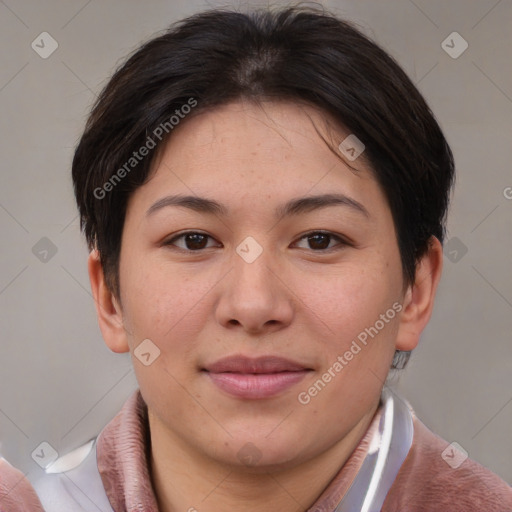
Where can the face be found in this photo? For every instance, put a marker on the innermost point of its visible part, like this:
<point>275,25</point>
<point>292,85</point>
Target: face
<point>275,325</point>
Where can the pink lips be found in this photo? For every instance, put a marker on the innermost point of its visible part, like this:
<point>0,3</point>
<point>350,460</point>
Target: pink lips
<point>255,378</point>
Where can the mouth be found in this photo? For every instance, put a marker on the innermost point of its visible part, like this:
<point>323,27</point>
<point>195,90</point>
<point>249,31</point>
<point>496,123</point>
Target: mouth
<point>255,378</point>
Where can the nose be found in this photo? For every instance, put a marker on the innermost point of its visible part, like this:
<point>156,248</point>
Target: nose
<point>255,297</point>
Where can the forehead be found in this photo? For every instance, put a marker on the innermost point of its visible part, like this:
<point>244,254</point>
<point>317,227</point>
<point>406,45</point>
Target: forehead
<point>287,129</point>
<point>243,153</point>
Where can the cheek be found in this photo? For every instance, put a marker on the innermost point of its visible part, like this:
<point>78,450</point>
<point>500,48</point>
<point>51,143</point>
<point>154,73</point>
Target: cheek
<point>343,304</point>
<point>159,306</point>
<point>163,305</point>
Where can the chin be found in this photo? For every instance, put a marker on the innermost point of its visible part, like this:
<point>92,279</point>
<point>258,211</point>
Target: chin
<point>261,454</point>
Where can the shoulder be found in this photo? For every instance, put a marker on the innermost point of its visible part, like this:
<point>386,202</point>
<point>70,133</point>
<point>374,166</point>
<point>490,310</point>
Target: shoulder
<point>436,476</point>
<point>16,492</point>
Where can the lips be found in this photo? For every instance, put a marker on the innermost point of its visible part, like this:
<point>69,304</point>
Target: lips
<point>264,364</point>
<point>255,378</point>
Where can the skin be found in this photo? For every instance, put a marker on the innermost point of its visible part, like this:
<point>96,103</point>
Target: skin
<point>297,300</point>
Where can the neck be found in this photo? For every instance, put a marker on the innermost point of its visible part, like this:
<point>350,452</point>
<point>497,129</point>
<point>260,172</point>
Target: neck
<point>207,485</point>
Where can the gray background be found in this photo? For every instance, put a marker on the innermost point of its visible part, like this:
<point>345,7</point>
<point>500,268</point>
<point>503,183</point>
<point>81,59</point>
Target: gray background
<point>58,381</point>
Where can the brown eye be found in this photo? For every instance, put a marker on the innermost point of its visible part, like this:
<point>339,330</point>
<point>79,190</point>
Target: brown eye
<point>195,241</point>
<point>320,241</point>
<point>192,241</point>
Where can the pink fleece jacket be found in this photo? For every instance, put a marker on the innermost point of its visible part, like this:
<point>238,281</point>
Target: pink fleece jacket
<point>424,483</point>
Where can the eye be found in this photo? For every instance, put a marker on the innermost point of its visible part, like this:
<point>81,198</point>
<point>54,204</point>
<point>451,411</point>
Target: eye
<point>320,240</point>
<point>193,241</point>
<point>196,241</point>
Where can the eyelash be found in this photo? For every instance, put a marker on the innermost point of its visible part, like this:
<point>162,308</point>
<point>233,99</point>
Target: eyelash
<point>343,242</point>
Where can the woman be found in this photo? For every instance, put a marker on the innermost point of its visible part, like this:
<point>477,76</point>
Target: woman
<point>264,196</point>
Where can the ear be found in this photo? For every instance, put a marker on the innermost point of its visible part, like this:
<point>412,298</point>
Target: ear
<point>419,298</point>
<point>110,318</point>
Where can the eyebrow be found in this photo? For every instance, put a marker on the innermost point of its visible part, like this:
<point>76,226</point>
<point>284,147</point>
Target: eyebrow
<point>295,206</point>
